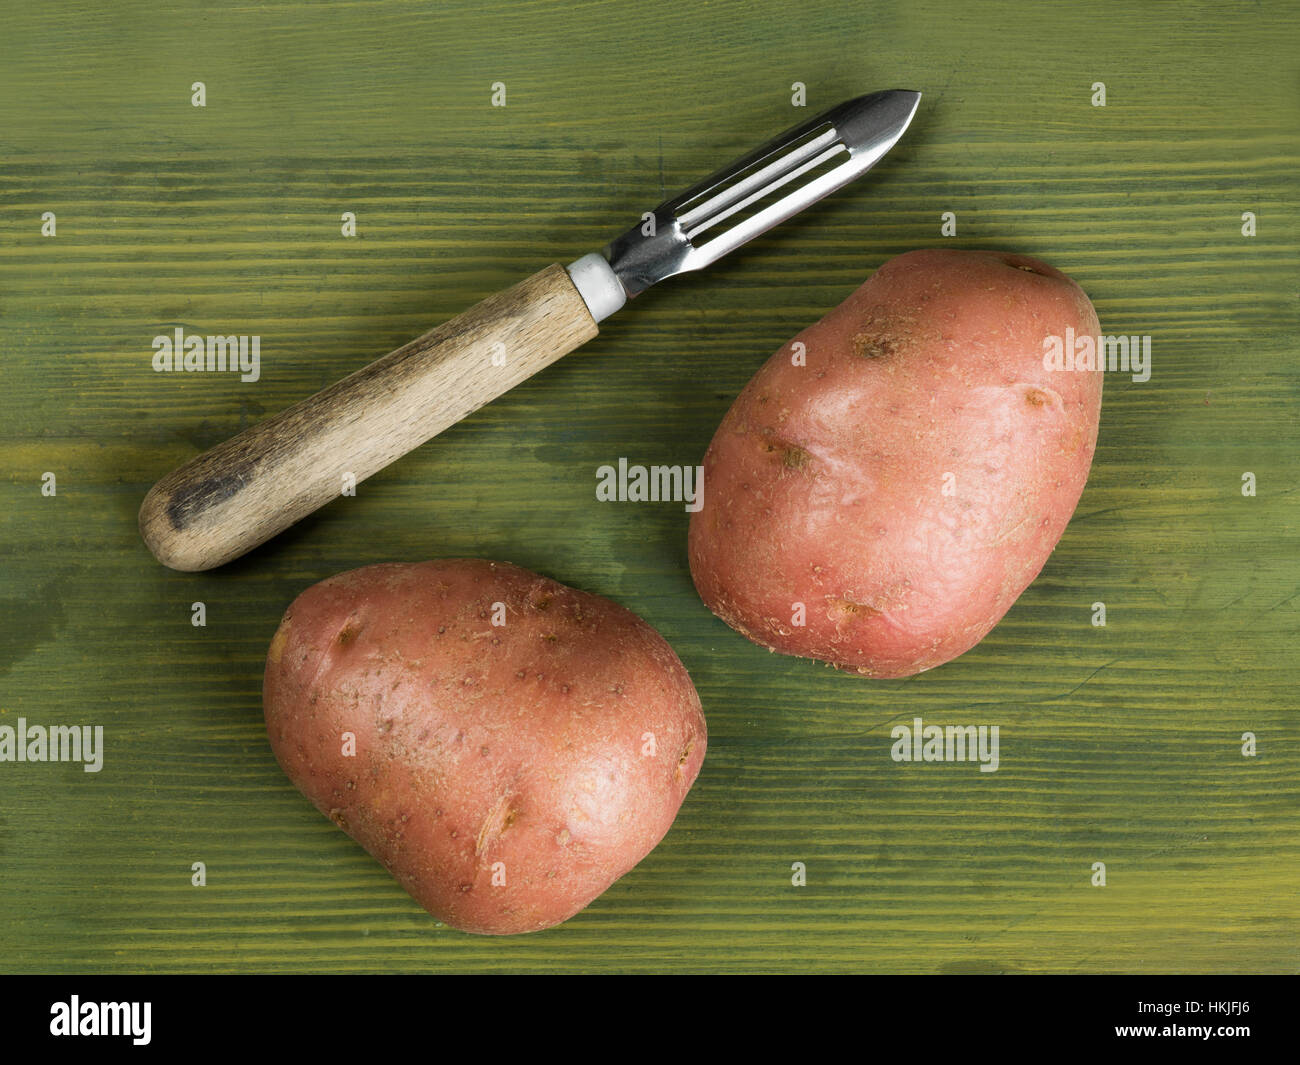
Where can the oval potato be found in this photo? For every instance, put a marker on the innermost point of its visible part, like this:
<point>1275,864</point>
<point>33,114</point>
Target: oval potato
<point>505,773</point>
<point>881,505</point>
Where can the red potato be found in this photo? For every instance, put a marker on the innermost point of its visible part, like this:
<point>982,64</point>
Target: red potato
<point>898,491</point>
<point>505,774</point>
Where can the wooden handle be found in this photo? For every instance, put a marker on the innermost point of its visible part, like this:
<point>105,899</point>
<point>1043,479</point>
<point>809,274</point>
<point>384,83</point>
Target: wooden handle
<point>241,493</point>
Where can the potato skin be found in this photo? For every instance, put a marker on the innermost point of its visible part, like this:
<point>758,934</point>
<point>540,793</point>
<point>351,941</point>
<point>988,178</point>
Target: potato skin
<point>476,744</point>
<point>827,483</point>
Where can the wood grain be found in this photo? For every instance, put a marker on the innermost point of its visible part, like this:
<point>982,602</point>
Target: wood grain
<point>1119,744</point>
<point>242,492</point>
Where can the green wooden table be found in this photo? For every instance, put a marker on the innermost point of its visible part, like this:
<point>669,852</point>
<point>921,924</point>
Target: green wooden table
<point>1120,744</point>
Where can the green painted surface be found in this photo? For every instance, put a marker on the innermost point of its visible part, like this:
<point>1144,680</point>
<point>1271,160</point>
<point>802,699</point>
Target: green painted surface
<point>1119,744</point>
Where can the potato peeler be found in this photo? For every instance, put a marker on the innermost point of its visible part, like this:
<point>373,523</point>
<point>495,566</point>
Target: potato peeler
<point>241,493</point>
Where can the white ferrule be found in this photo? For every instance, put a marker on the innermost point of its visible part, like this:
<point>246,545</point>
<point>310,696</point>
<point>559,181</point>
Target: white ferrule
<point>598,285</point>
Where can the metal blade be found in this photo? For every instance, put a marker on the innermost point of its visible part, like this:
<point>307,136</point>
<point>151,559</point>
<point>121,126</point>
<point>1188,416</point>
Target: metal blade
<point>761,190</point>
